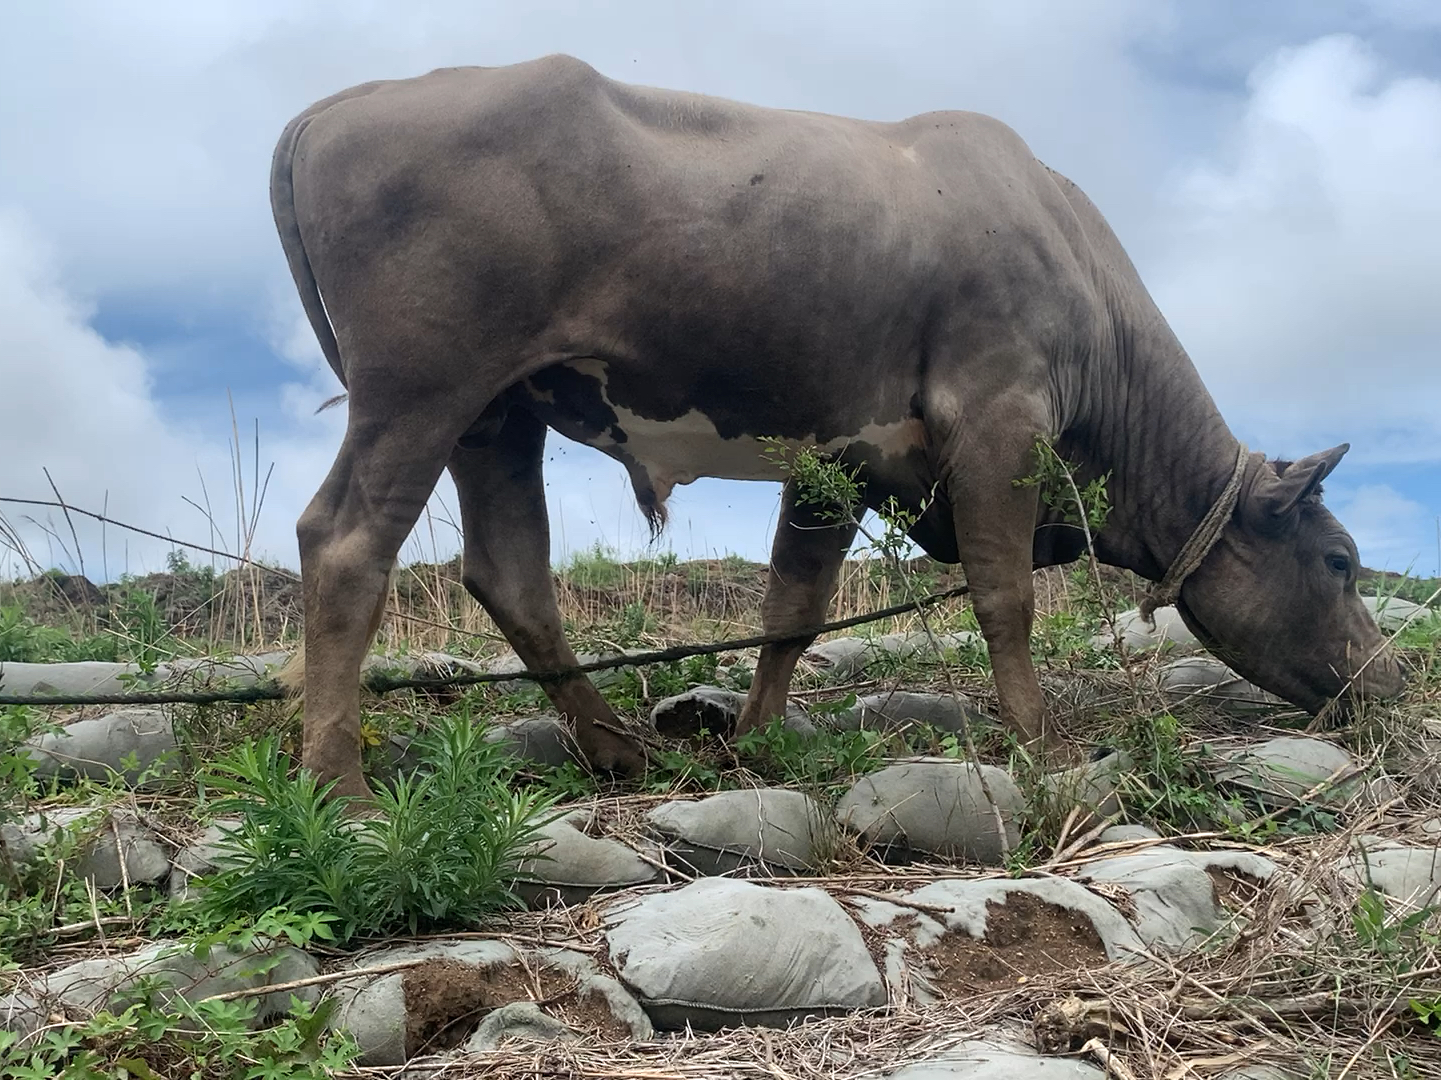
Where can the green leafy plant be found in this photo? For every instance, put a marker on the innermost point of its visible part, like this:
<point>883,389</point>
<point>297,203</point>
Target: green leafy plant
<point>440,851</point>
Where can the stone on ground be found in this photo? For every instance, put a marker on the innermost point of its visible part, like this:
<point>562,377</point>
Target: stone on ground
<point>846,657</point>
<point>766,830</point>
<point>966,901</point>
<point>902,709</point>
<point>1392,612</point>
<point>237,671</point>
<point>1170,633</point>
<point>520,1021</point>
<point>997,1060</point>
<point>1205,680</point>
<point>569,867</point>
<point>102,836</point>
<point>543,740</point>
<point>1090,786</point>
<point>197,859</point>
<point>1411,875</point>
<point>1121,834</point>
<point>83,677</point>
<point>103,983</point>
<point>592,982</point>
<point>508,662</point>
<point>1278,772</point>
<point>714,710</point>
<point>720,952</point>
<point>21,1013</point>
<point>128,742</point>
<point>937,806</point>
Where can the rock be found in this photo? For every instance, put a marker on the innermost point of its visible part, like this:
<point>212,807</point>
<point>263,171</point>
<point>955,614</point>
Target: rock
<point>766,830</point>
<point>901,709</point>
<point>377,1011</point>
<point>1172,891</point>
<point>846,657</point>
<point>509,662</point>
<point>1392,612</point>
<point>720,952</point>
<point>238,671</point>
<point>21,1013</point>
<point>197,859</point>
<point>374,1008</point>
<point>1411,875</point>
<point>1170,633</point>
<point>1091,786</point>
<point>543,740</point>
<point>569,867</point>
<point>522,1021</point>
<point>935,805</point>
<point>997,1060</point>
<point>128,742</point>
<point>1118,834</point>
<point>1278,772</point>
<point>714,710</point>
<point>967,900</point>
<point>103,983</point>
<point>1205,680</point>
<point>83,677</point>
<point>1259,1072</point>
<point>100,845</point>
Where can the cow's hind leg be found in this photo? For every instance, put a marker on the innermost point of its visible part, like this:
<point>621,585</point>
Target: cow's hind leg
<point>507,569</point>
<point>806,558</point>
<point>394,450</point>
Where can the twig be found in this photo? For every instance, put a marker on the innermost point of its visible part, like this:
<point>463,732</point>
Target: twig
<point>316,980</point>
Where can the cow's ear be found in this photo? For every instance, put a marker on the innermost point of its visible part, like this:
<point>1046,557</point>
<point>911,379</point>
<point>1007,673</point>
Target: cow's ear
<point>1280,489</point>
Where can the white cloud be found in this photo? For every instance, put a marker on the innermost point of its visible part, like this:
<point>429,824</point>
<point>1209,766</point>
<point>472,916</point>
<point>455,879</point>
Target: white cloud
<point>1304,261</point>
<point>1390,530</point>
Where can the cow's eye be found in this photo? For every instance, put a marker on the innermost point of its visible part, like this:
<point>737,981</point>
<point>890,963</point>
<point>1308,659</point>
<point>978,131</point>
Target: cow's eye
<point>1339,564</point>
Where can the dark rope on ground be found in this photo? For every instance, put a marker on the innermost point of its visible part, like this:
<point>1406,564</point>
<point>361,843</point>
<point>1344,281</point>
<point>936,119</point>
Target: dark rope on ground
<point>382,683</point>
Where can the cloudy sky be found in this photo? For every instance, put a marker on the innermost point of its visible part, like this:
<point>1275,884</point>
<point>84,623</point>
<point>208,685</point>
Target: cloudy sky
<point>1273,170</point>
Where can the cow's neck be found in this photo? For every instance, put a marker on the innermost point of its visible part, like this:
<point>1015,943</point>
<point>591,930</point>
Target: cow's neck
<point>1158,432</point>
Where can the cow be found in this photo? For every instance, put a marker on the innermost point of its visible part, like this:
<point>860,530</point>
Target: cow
<point>681,281</point>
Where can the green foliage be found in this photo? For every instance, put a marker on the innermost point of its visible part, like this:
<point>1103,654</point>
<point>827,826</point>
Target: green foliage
<point>440,852</point>
<point>595,568</point>
<point>1054,477</point>
<point>1168,787</point>
<point>827,761</point>
<point>22,640</point>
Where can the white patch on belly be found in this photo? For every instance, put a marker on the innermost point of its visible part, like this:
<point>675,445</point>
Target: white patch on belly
<point>679,451</point>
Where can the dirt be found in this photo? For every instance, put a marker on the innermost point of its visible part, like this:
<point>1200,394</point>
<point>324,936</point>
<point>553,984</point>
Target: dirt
<point>1025,937</point>
<point>445,1000</point>
<point>1233,890</point>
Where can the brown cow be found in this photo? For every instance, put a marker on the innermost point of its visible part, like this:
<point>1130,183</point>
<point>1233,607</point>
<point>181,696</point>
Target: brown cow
<point>488,252</point>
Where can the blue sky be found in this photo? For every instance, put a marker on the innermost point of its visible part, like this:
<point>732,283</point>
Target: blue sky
<point>1272,168</point>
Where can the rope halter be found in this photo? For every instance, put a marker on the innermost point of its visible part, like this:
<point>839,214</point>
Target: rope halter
<point>1195,550</point>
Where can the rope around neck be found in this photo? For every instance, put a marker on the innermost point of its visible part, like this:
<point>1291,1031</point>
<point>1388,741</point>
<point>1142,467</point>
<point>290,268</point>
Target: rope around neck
<point>1195,550</point>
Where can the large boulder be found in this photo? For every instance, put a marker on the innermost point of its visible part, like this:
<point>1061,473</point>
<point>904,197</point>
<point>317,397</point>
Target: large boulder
<point>900,710</point>
<point>134,743</point>
<point>1205,680</point>
<point>765,831</point>
<point>937,806</point>
<point>1169,634</point>
<point>1278,773</point>
<point>198,859</point>
<point>846,657</point>
<point>541,740</point>
<point>1411,875</point>
<point>103,839</point>
<point>1392,612</point>
<point>714,710</point>
<point>719,953</point>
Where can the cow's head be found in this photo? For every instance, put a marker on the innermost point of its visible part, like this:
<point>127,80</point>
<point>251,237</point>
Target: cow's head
<point>1276,598</point>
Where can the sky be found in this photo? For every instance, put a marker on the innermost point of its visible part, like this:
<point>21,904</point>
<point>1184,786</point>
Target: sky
<point>1271,168</point>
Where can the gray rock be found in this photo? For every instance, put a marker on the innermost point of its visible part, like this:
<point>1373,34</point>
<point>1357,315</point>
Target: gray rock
<point>767,830</point>
<point>967,899</point>
<point>21,1013</point>
<point>521,1021</point>
<point>1118,834</point>
<point>544,740</point>
<point>1170,634</point>
<point>1174,897</point>
<point>570,867</point>
<point>127,742</point>
<point>1091,786</point>
<point>714,710</point>
<point>592,982</point>
<point>373,1008</point>
<point>1411,875</point>
<point>237,671</point>
<point>105,982</point>
<point>902,709</point>
<point>80,678</point>
<point>997,1060</point>
<point>720,952</point>
<point>847,657</point>
<point>101,836</point>
<point>1392,612</point>
<point>1259,1072</point>
<point>1280,771</point>
<point>509,662</point>
<point>198,859</point>
<point>1205,680</point>
<point>935,805</point>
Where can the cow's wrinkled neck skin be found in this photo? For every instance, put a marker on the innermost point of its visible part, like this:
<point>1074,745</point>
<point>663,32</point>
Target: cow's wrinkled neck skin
<point>1159,435</point>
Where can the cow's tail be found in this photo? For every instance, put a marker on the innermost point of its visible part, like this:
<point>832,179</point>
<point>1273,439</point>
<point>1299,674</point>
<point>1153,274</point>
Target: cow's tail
<point>282,206</point>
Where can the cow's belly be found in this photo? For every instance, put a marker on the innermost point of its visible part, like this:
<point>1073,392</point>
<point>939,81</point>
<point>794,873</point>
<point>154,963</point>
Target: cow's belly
<point>661,454</point>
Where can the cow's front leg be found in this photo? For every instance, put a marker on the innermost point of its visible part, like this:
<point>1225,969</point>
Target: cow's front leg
<point>980,460</point>
<point>805,565</point>
<point>507,568</point>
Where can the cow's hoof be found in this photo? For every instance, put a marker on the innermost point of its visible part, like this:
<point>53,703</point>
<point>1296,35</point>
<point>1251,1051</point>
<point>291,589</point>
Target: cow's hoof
<point>612,751</point>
